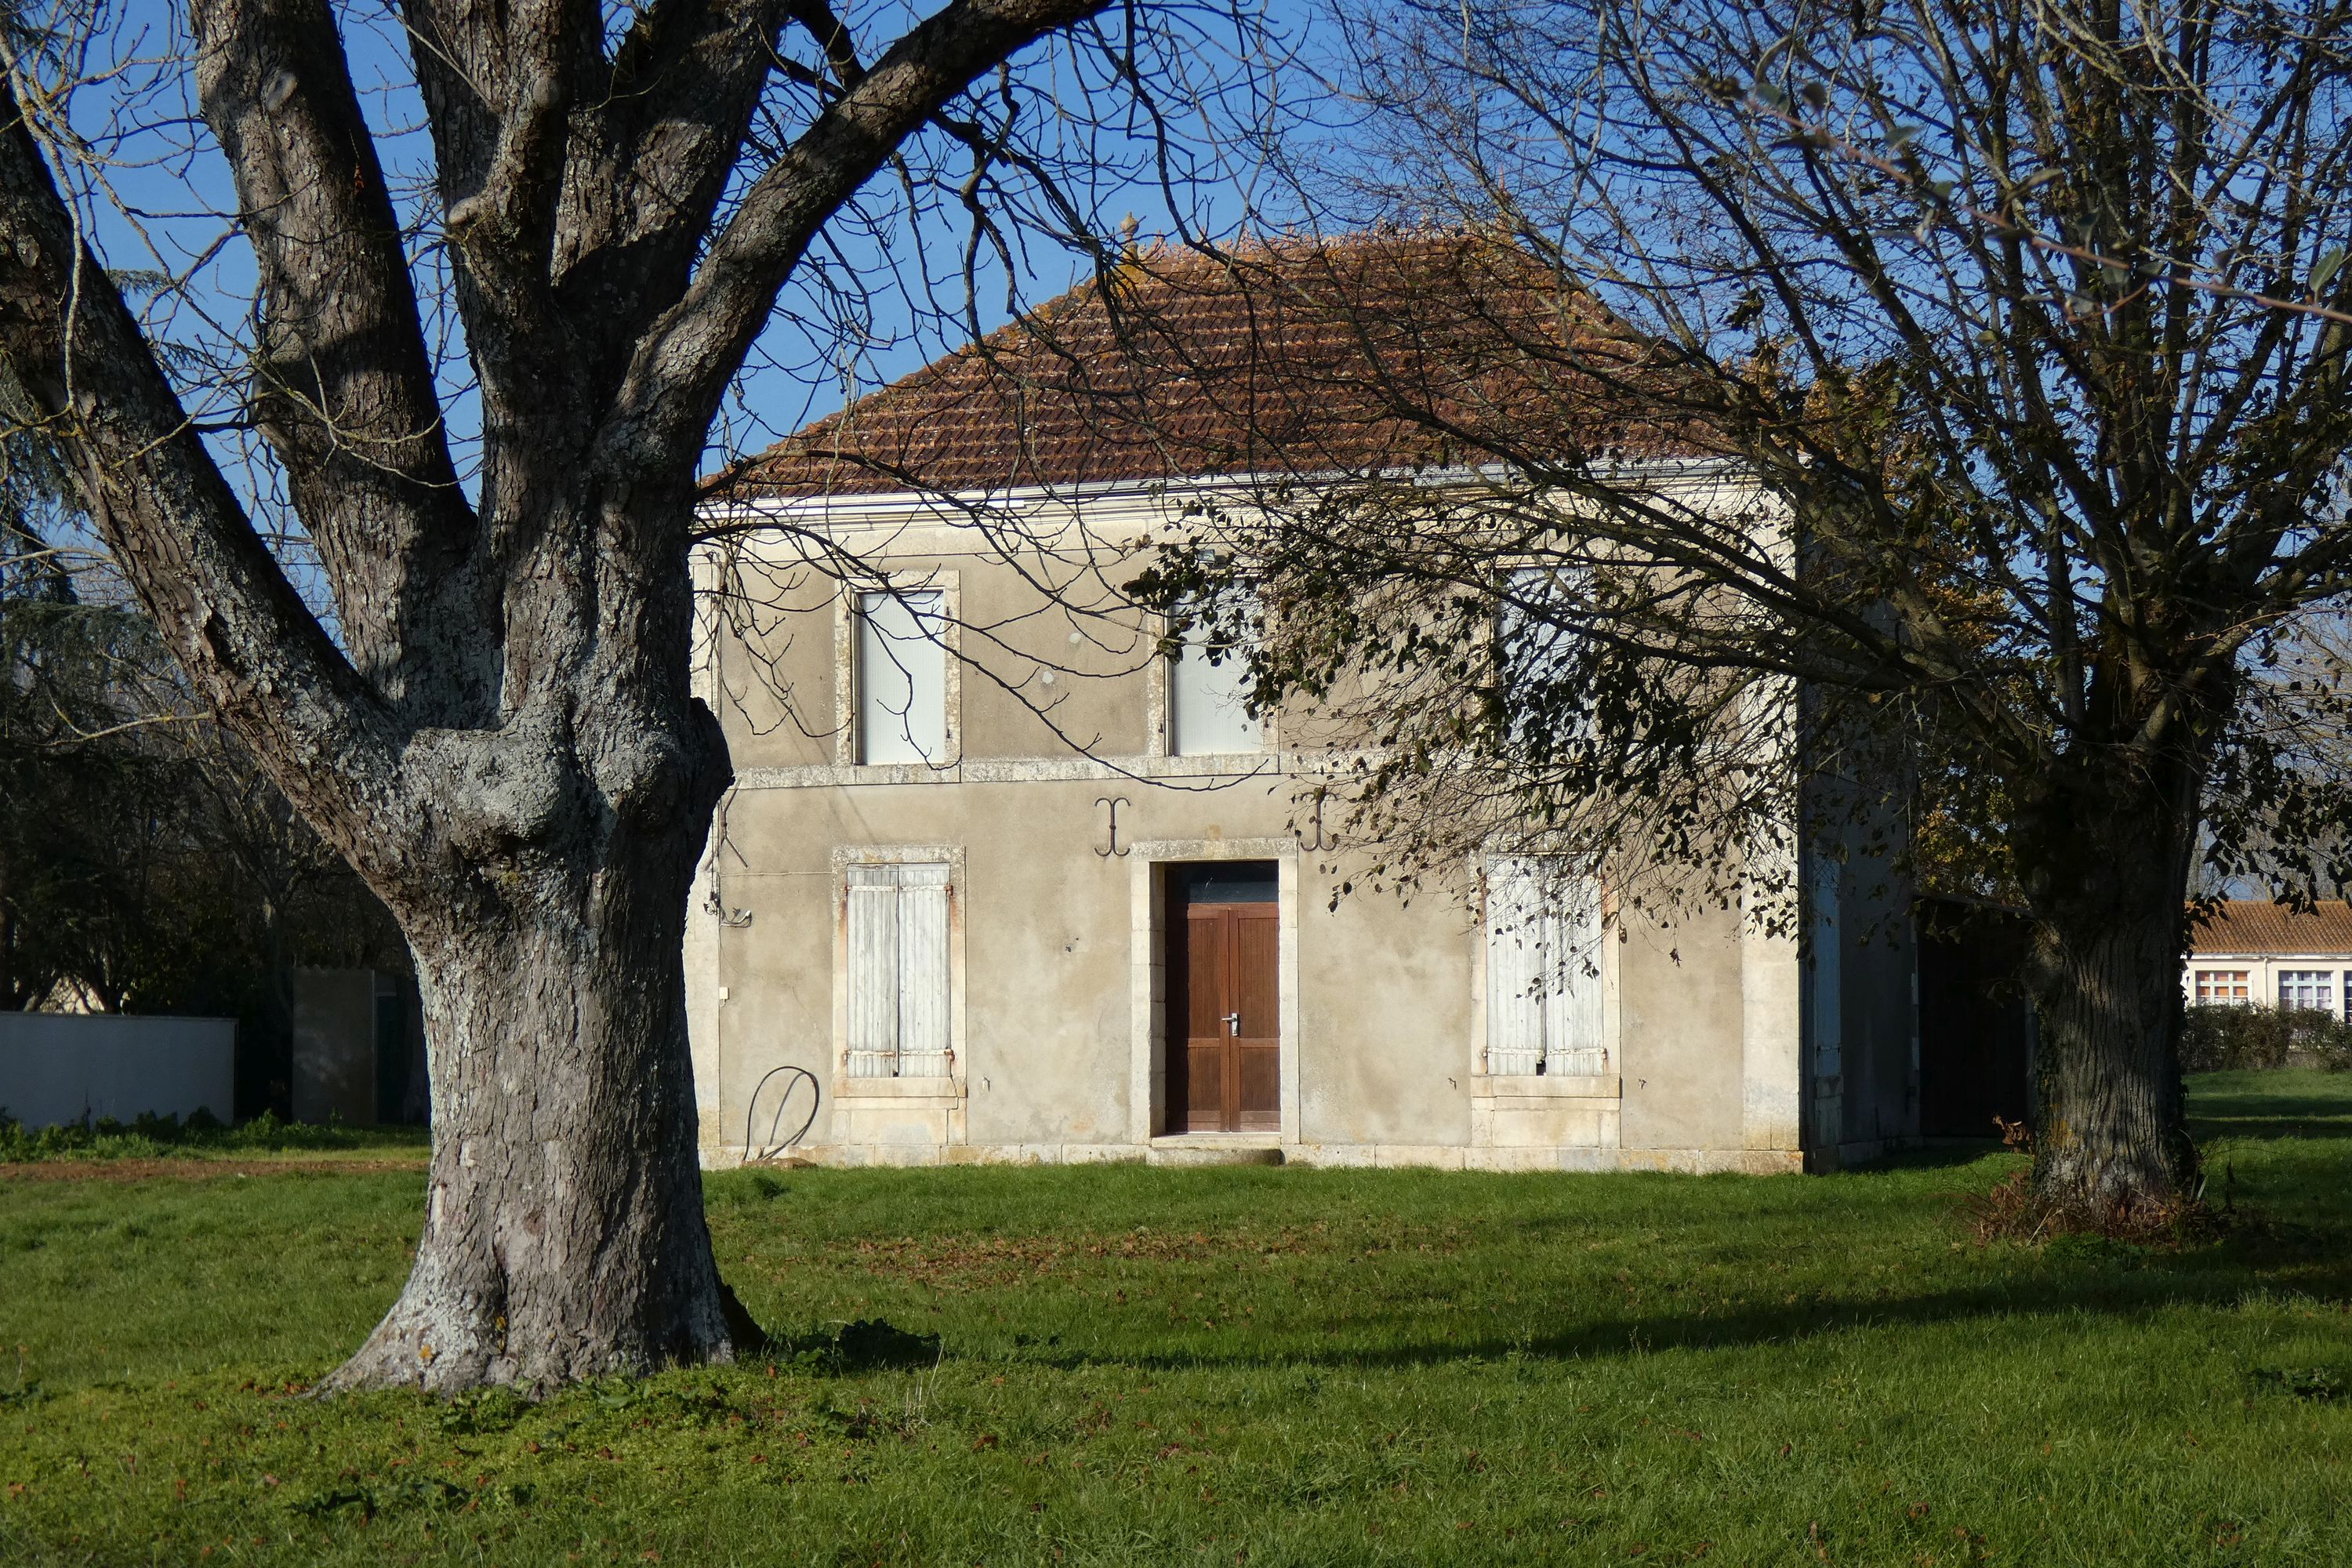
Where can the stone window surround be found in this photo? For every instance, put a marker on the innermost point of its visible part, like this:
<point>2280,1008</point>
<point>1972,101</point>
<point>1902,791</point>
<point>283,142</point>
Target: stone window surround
<point>947,582</point>
<point>1148,863</point>
<point>954,1090</point>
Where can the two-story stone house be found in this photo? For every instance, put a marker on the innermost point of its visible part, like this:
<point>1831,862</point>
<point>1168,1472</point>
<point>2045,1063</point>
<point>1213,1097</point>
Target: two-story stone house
<point>1005,882</point>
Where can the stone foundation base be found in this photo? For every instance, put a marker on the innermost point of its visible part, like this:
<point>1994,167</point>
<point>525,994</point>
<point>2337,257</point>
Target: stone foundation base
<point>1381,1156</point>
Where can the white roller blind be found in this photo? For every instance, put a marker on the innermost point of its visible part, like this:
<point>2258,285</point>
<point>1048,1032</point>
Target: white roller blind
<point>899,971</point>
<point>1206,711</point>
<point>1543,971</point>
<point>1537,652</point>
<point>1205,701</point>
<point>902,715</point>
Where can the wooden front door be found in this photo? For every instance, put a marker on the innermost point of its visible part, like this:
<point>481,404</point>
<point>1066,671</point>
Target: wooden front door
<point>1225,1007</point>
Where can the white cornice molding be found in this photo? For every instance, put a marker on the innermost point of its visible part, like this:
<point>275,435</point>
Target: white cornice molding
<point>1143,501</point>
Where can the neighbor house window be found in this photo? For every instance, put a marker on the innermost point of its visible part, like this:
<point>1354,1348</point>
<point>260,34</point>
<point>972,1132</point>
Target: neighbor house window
<point>902,666</point>
<point>899,971</point>
<point>2307,988</point>
<point>2222,986</point>
<point>1208,685</point>
<point>1543,970</point>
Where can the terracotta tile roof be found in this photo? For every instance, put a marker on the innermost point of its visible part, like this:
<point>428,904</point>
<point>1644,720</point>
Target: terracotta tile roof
<point>1289,356</point>
<point>2258,926</point>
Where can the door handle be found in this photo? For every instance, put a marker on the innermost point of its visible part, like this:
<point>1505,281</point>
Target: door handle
<point>1232,1022</point>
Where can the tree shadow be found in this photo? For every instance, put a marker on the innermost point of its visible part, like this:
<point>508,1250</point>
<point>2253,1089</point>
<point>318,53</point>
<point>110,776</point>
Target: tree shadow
<point>1601,1338</point>
<point>2275,1114</point>
<point>2114,1280</point>
<point>1942,1155</point>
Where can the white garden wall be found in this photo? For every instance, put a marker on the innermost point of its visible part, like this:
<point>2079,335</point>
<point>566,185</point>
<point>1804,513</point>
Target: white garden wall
<point>61,1067</point>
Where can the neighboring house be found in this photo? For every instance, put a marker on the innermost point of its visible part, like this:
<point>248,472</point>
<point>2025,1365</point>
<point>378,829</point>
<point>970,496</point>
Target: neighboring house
<point>1002,883</point>
<point>2250,952</point>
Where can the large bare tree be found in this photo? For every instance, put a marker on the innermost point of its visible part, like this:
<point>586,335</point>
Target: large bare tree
<point>487,705</point>
<point>2000,352</point>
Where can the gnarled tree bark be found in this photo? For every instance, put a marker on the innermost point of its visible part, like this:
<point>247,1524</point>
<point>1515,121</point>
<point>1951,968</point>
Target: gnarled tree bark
<point>563,1232</point>
<point>501,735</point>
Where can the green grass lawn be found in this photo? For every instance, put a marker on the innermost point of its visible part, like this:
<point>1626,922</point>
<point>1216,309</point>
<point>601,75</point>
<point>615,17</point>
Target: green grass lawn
<point>1259,1366</point>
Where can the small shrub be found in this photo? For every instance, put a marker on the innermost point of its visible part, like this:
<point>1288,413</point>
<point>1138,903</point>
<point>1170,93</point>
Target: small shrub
<point>2235,1039</point>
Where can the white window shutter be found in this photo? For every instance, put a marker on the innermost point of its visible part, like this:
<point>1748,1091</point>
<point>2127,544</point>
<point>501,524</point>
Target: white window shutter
<point>873,971</point>
<point>923,1035</point>
<point>1574,1042</point>
<point>1515,961</point>
<point>1543,972</point>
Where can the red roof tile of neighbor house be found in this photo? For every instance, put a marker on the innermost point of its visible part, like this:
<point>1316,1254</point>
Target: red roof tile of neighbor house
<point>1283,357</point>
<point>2258,926</point>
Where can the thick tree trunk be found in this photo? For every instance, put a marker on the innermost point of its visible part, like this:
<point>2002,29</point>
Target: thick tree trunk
<point>2108,887</point>
<point>497,730</point>
<point>2111,1134</point>
<point>564,1235</point>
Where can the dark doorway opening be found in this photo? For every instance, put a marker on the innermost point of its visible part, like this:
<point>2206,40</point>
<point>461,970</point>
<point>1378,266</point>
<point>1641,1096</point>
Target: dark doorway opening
<point>1976,1026</point>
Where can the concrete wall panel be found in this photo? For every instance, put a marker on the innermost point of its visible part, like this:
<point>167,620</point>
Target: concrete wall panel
<point>1680,1039</point>
<point>57,1067</point>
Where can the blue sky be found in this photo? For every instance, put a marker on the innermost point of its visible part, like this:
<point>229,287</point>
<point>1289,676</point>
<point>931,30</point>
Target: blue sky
<point>883,295</point>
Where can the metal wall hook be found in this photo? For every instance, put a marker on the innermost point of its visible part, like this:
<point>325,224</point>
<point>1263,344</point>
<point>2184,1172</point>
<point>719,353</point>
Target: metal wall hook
<point>1321,841</point>
<point>1114,802</point>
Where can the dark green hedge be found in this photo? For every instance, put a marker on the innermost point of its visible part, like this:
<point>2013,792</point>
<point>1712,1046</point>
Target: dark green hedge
<point>2224,1038</point>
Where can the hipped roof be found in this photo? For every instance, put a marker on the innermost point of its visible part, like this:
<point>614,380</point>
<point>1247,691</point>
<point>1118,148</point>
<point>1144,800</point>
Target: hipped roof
<point>2257,926</point>
<point>1377,352</point>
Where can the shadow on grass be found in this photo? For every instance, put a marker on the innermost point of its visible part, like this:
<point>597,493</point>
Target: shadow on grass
<point>2087,1275</point>
<point>1942,1155</point>
<point>1605,1338</point>
<point>2299,1105</point>
<point>2252,1115</point>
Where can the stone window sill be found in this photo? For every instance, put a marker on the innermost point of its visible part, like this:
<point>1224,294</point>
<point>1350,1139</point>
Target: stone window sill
<point>1547,1086</point>
<point>932,1088</point>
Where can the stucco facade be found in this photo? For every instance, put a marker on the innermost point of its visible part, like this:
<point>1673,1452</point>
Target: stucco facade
<point>1721,1046</point>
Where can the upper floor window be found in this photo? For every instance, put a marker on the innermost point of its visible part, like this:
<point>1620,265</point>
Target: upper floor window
<point>2224,985</point>
<point>1536,645</point>
<point>1543,970</point>
<point>1208,687</point>
<point>2307,988</point>
<point>901,675</point>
